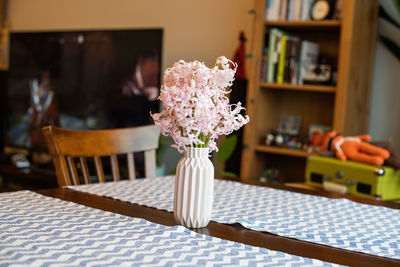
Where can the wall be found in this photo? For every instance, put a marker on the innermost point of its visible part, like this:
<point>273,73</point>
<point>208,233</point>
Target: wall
<point>193,29</point>
<point>385,107</point>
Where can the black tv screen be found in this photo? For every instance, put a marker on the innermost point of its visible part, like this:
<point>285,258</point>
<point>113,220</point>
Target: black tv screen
<point>80,80</point>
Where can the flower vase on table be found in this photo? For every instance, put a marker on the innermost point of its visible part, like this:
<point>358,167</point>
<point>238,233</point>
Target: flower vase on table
<point>196,111</point>
<point>194,186</point>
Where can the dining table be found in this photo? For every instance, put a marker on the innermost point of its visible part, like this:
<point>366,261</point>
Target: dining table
<point>240,232</point>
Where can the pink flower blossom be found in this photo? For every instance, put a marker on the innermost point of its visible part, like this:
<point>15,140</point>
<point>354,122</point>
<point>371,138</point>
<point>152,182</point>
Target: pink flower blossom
<point>197,108</point>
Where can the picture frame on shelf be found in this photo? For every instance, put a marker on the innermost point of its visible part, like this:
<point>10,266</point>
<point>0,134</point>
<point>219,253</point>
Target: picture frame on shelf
<point>290,125</point>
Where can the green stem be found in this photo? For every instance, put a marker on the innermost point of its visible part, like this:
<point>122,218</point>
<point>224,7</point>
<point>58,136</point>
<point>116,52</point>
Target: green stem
<point>205,139</point>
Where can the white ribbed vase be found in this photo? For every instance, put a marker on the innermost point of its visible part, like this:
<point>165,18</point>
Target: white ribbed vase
<point>194,188</point>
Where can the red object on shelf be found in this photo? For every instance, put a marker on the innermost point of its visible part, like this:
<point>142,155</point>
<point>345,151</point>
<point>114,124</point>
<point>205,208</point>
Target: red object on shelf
<point>240,57</point>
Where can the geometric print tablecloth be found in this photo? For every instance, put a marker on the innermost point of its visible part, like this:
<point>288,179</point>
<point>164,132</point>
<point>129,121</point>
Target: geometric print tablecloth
<point>36,230</point>
<point>338,223</point>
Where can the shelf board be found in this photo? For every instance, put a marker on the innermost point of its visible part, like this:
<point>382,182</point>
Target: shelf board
<point>304,87</point>
<point>283,151</point>
<point>304,23</point>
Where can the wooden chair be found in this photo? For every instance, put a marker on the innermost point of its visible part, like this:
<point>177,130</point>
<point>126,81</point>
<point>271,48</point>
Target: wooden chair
<point>71,147</point>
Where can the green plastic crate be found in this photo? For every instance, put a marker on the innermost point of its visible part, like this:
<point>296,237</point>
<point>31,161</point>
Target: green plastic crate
<point>355,178</point>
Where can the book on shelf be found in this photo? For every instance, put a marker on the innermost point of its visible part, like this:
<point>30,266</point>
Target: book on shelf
<point>272,11</point>
<point>286,63</point>
<point>297,10</point>
<point>276,55</point>
<point>292,58</point>
<point>264,65</point>
<point>305,12</point>
<point>281,64</point>
<point>271,50</point>
<point>288,9</point>
<point>286,58</point>
<point>282,15</point>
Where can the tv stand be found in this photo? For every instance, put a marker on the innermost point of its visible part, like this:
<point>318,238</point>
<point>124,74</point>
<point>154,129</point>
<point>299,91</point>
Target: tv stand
<point>32,178</point>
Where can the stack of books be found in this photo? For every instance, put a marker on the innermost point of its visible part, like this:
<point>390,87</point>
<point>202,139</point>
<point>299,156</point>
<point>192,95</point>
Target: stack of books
<point>288,9</point>
<point>287,58</point>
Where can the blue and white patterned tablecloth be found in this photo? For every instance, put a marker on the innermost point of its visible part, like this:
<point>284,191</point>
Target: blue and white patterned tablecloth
<point>338,223</point>
<point>36,230</point>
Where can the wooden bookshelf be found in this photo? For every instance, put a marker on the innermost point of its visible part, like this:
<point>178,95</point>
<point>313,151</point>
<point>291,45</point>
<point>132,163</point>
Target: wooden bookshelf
<point>304,24</point>
<point>305,87</point>
<point>283,151</point>
<point>4,36</point>
<point>348,45</point>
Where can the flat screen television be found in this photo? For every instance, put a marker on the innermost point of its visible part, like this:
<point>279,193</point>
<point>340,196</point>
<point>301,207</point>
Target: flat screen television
<point>80,80</point>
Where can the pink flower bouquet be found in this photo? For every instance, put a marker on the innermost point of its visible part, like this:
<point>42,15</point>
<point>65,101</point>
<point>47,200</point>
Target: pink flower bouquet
<point>197,108</point>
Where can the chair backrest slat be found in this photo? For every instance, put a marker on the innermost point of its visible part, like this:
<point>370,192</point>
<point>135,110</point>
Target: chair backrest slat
<point>72,170</point>
<point>131,166</point>
<point>62,172</point>
<point>85,170</point>
<point>149,163</point>
<point>66,145</point>
<point>114,167</point>
<point>99,169</point>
